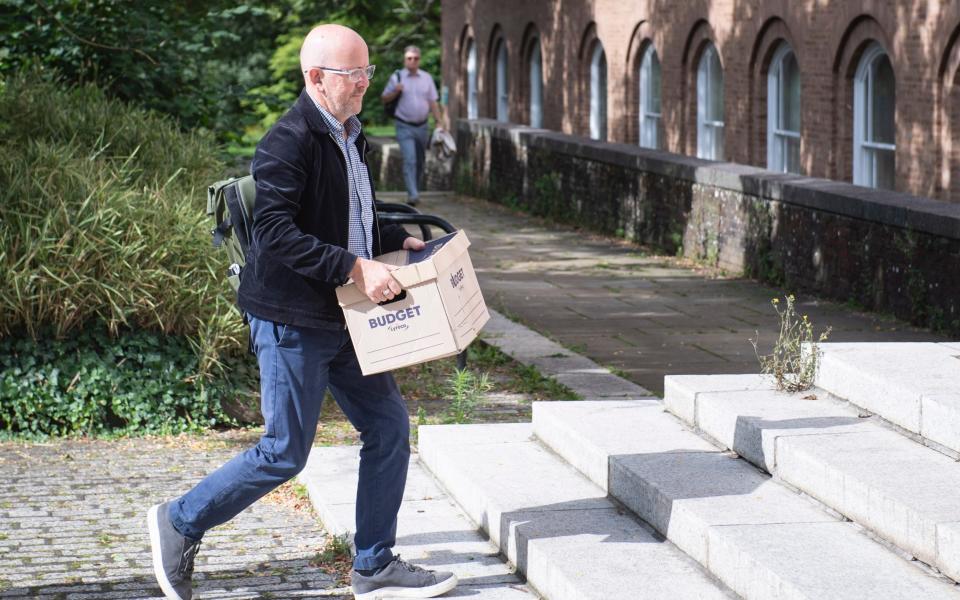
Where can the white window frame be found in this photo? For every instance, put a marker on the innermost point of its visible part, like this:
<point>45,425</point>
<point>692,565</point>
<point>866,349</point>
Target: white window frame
<point>707,146</point>
<point>776,136</point>
<point>536,85</point>
<point>864,148</point>
<point>503,101</point>
<point>598,93</point>
<point>649,120</point>
<point>472,104</point>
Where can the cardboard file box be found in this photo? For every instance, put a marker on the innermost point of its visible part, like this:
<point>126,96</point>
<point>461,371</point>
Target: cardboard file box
<point>441,312</point>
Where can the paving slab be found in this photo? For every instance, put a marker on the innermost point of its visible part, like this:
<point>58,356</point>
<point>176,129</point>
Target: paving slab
<point>559,528</point>
<point>432,531</point>
<point>891,380</point>
<point>580,374</point>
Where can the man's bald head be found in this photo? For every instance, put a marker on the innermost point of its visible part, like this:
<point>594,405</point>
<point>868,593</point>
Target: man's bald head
<point>329,46</point>
<point>338,50</point>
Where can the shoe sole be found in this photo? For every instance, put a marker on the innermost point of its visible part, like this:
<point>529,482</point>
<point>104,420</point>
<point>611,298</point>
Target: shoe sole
<point>398,592</point>
<point>153,524</point>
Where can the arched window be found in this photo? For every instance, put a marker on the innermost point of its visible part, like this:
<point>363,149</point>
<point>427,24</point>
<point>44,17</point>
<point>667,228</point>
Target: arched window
<point>783,112</point>
<point>650,99</point>
<point>536,86</point>
<point>502,103</point>
<point>598,94</point>
<point>710,105</point>
<point>472,112</point>
<point>874,120</point>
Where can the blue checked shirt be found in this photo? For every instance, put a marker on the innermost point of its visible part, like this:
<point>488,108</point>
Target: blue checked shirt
<point>360,242</point>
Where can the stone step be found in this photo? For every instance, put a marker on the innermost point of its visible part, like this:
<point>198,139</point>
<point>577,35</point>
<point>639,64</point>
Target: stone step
<point>903,491</point>
<point>759,537</point>
<point>431,531</point>
<point>913,385</point>
<point>562,531</point>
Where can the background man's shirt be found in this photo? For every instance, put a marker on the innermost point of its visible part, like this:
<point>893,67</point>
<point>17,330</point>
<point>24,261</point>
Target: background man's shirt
<point>418,92</point>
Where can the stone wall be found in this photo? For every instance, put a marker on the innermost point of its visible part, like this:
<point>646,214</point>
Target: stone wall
<point>884,251</point>
<point>386,165</point>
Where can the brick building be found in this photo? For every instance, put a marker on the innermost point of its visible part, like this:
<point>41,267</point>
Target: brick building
<point>852,90</point>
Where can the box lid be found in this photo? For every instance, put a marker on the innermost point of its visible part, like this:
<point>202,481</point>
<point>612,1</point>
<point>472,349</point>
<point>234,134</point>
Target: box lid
<point>414,267</point>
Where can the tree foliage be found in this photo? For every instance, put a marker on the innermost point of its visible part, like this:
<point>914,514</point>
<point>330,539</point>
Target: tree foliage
<point>211,64</point>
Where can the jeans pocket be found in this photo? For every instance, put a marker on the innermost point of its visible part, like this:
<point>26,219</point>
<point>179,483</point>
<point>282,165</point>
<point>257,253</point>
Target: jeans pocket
<point>279,332</point>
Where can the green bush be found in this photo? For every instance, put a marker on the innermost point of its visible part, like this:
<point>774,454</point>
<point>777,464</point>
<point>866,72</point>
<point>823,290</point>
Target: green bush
<point>102,220</point>
<point>139,382</point>
<point>102,225</point>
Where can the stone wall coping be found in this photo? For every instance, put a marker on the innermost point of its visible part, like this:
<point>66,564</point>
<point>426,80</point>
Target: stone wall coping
<point>897,209</point>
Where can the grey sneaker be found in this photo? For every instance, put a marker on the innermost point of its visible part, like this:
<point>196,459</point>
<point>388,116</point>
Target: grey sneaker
<point>173,555</point>
<point>400,579</point>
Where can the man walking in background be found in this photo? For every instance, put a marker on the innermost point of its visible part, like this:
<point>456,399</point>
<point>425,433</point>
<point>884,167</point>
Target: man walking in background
<point>417,99</point>
<point>315,226</point>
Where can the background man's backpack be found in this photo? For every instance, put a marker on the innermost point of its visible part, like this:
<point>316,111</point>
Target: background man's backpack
<point>230,205</point>
<point>390,108</point>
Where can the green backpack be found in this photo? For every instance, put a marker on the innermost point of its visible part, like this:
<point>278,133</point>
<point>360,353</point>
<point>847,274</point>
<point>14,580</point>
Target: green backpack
<point>230,205</point>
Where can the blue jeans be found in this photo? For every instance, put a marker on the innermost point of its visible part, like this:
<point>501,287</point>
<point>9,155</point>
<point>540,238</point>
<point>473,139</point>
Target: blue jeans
<point>297,364</point>
<point>413,146</point>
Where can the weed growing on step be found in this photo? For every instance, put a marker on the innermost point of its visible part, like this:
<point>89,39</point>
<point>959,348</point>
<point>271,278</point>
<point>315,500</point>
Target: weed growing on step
<point>466,390</point>
<point>796,354</point>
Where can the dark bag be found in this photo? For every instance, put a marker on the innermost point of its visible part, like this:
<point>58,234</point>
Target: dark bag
<point>230,205</point>
<point>390,108</point>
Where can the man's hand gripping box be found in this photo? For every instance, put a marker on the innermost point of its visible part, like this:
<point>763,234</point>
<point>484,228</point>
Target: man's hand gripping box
<point>440,313</point>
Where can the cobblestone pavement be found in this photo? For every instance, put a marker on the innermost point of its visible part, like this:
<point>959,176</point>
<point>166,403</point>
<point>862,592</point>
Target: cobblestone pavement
<point>73,523</point>
<point>644,315</point>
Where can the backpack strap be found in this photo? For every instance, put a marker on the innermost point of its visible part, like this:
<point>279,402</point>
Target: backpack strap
<point>217,209</point>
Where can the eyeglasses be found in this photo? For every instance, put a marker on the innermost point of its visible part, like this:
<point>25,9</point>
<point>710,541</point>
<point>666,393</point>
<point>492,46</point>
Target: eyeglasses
<point>412,58</point>
<point>354,74</point>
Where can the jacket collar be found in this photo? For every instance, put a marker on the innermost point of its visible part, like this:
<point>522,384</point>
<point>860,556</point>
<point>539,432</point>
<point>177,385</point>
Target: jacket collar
<point>311,115</point>
<point>316,123</point>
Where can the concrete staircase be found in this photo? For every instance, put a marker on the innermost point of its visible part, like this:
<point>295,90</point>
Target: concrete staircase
<point>432,530</point>
<point>724,489</point>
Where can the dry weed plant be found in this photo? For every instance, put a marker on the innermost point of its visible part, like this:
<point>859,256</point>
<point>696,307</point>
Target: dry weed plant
<point>795,359</point>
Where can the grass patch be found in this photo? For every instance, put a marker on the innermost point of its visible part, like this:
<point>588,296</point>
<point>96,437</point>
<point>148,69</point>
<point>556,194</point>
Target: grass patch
<point>388,130</point>
<point>335,557</point>
<point>431,399</point>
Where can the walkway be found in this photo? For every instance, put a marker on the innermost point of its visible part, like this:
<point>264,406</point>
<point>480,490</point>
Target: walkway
<point>73,524</point>
<point>645,316</point>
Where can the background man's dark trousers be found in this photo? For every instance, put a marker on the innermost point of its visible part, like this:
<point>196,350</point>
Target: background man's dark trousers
<point>413,140</point>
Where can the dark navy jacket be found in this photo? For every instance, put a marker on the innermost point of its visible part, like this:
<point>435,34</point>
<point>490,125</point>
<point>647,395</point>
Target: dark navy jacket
<point>298,255</point>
